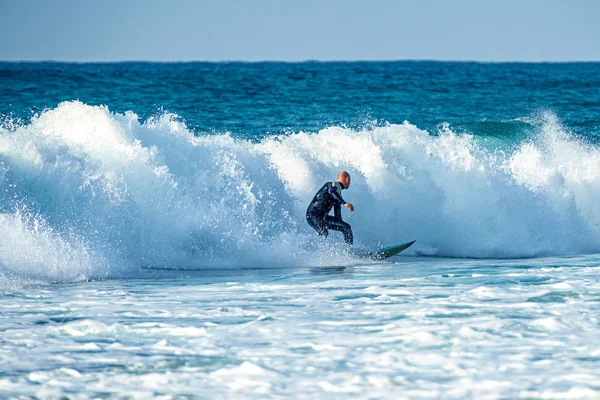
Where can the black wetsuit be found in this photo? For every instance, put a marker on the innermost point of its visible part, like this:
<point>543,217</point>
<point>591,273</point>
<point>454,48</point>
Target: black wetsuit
<point>328,197</point>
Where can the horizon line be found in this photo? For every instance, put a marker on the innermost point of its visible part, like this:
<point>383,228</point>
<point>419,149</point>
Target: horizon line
<point>236,61</point>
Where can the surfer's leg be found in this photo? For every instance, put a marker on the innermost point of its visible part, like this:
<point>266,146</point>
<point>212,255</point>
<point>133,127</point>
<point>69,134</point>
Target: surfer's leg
<point>336,224</point>
<point>317,224</point>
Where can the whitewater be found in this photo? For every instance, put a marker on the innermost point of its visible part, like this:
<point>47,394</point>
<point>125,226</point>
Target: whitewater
<point>161,254</point>
<point>87,193</point>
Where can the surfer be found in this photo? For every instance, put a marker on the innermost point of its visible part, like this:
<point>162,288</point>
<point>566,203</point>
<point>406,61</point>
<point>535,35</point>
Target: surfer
<point>326,198</point>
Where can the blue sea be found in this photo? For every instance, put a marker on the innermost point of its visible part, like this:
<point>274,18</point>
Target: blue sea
<point>153,241</point>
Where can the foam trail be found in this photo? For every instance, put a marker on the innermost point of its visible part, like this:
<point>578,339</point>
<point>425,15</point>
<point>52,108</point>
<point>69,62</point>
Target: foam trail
<point>111,192</point>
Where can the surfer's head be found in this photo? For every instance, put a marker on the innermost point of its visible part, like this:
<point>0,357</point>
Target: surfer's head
<point>344,179</point>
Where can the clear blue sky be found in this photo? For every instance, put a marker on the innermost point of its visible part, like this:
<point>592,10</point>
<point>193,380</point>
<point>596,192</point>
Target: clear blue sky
<point>292,30</point>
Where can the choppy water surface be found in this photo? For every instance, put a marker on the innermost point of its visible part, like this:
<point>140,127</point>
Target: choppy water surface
<point>415,328</point>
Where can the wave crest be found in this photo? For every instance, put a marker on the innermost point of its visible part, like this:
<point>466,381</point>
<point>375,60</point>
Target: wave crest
<point>113,191</point>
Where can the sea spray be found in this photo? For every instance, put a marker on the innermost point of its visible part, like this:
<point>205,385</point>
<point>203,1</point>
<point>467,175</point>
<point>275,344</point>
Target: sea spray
<point>153,193</point>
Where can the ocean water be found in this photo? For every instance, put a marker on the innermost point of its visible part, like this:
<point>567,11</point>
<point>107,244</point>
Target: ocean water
<point>154,245</point>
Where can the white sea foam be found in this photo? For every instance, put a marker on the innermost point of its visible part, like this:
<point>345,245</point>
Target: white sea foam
<point>86,193</point>
<point>318,335</point>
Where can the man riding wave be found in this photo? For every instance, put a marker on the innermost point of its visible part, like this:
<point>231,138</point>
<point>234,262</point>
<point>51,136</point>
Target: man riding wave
<point>328,197</point>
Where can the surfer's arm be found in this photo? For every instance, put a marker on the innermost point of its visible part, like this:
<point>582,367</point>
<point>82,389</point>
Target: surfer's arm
<point>332,190</point>
<point>336,196</point>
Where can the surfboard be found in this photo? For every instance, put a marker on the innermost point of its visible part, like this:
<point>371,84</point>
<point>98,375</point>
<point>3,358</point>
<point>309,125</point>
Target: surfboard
<point>386,252</point>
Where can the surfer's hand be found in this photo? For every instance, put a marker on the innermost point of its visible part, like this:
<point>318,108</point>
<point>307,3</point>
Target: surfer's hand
<point>349,206</point>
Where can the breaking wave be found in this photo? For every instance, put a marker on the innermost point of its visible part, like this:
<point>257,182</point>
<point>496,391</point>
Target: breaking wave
<point>86,193</point>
